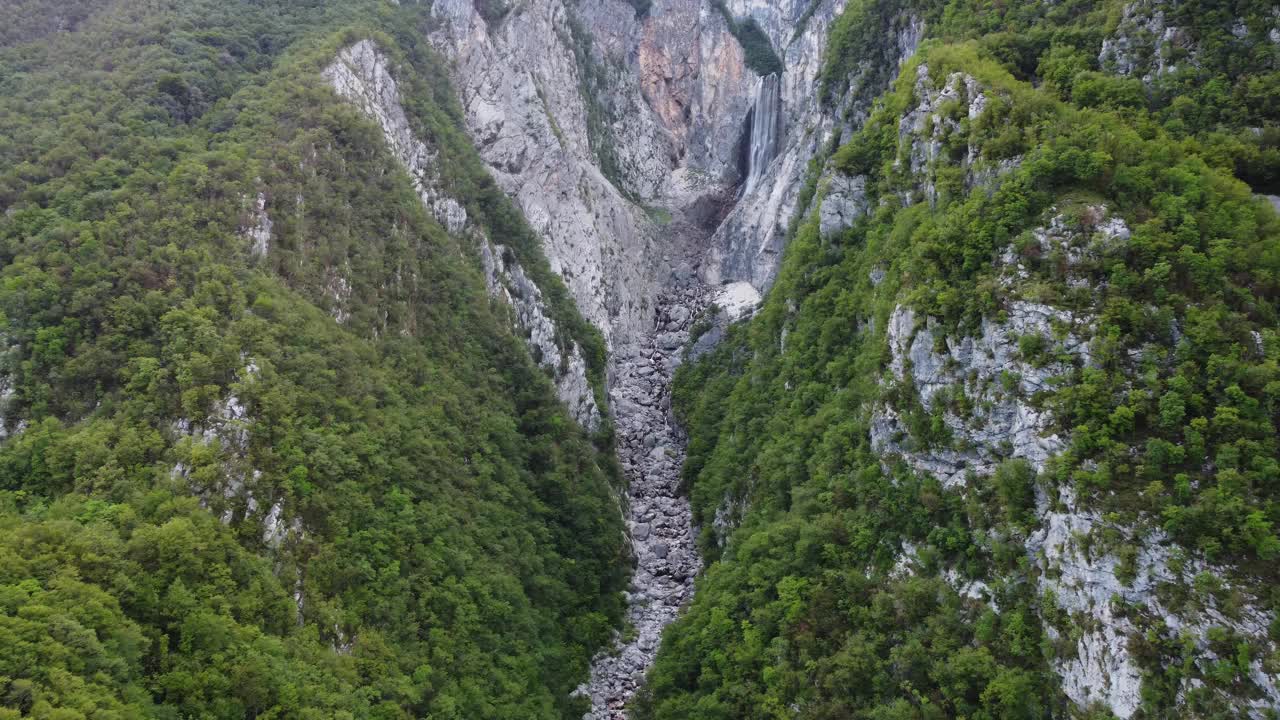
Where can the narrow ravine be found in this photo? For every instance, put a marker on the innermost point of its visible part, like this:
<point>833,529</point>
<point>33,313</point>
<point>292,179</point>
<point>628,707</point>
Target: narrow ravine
<point>651,449</point>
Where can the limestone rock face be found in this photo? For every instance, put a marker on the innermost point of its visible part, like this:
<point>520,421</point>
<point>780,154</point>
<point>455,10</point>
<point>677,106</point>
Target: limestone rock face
<point>998,383</point>
<point>1090,583</point>
<point>631,131</point>
<point>1098,593</point>
<point>1105,582</point>
<point>1144,42</point>
<point>844,202</point>
<point>997,372</point>
<point>748,245</point>
<point>507,280</point>
<point>737,300</point>
<point>9,352</point>
<point>672,111</point>
<point>1075,242</point>
<point>521,91</point>
<point>925,130</point>
<point>361,74</point>
<point>234,495</point>
<point>693,74</point>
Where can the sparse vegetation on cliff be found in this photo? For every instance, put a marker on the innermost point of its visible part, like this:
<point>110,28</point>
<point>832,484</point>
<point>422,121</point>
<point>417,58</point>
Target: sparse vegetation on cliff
<point>760,55</point>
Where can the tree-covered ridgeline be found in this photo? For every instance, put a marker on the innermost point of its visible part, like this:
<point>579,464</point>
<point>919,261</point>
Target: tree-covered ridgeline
<point>813,606</point>
<point>1215,76</point>
<point>326,480</point>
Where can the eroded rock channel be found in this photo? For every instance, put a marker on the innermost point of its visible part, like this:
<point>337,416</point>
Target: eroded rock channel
<point>651,449</point>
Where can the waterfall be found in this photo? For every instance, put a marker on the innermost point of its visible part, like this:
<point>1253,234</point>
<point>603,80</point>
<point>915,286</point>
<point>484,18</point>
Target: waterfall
<point>766,129</point>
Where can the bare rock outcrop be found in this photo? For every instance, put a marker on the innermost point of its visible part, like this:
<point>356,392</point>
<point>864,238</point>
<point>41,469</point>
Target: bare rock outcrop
<point>984,385</point>
<point>521,89</point>
<point>507,280</point>
<point>1106,593</point>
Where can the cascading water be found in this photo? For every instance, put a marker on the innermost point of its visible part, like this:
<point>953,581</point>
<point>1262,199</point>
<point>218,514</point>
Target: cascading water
<point>766,129</point>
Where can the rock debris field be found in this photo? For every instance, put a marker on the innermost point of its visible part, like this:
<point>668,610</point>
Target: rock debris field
<point>651,450</point>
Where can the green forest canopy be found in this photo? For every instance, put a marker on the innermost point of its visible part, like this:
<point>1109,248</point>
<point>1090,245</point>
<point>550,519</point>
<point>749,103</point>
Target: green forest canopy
<point>446,541</point>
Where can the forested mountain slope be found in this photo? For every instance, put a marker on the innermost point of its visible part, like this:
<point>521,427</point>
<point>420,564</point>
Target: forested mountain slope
<point>1002,439</point>
<point>271,448</point>
<point>312,315</point>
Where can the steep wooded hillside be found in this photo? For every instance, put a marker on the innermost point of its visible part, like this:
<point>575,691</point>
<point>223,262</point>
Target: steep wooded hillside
<point>272,449</point>
<point>1001,441</point>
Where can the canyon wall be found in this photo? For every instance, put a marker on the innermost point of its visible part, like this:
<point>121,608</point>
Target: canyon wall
<point>603,124</point>
<point>649,155</point>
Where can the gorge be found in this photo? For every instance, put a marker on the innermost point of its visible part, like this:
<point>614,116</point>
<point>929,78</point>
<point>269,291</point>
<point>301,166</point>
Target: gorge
<point>673,83</point>
<point>639,359</point>
<point>692,130</point>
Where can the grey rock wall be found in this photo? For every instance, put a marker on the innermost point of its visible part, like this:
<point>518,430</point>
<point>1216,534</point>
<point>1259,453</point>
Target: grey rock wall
<point>749,243</point>
<point>507,280</point>
<point>1104,583</point>
<point>675,109</point>
<point>998,383</point>
<point>521,92</point>
<point>1108,605</point>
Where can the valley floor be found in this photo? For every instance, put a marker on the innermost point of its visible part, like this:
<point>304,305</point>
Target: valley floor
<point>651,450</point>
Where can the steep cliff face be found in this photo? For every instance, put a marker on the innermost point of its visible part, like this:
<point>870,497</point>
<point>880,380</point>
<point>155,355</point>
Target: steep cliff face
<point>507,281</point>
<point>361,74</point>
<point>1105,579</point>
<point>586,112</point>
<point>1101,580</point>
<point>694,74</point>
<point>520,83</point>
<point>748,245</point>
